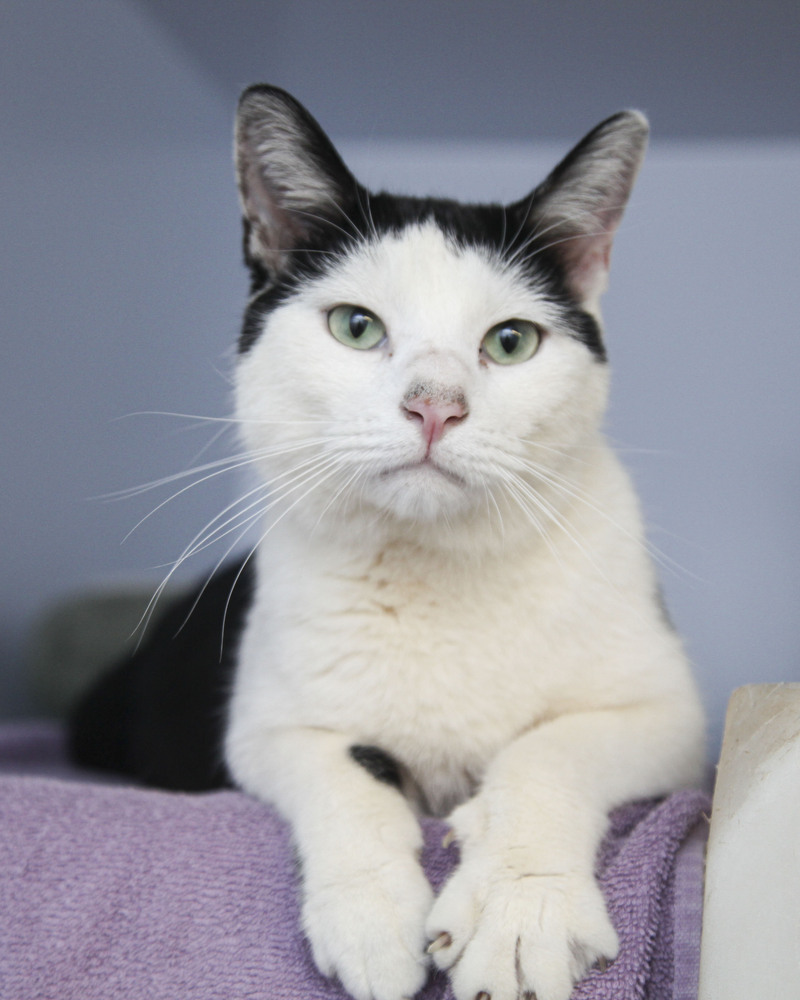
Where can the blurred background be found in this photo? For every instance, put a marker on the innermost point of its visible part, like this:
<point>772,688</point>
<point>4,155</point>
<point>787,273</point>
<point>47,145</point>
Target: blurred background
<point>121,285</point>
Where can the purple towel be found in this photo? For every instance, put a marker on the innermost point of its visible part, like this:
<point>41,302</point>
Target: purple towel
<point>112,891</point>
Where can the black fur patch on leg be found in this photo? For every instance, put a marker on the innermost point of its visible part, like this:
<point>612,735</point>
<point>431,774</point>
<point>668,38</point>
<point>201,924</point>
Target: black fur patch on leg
<point>380,765</point>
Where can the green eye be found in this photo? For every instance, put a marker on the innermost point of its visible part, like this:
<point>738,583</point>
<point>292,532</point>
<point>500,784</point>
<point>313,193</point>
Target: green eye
<point>511,342</point>
<point>356,327</point>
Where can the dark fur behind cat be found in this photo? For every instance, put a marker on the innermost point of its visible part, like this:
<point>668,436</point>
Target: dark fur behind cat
<point>158,716</point>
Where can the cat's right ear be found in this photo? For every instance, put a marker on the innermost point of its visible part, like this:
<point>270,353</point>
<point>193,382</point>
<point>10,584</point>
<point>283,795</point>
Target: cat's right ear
<point>292,182</point>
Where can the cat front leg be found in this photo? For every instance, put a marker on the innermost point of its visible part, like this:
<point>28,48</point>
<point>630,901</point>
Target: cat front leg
<point>523,914</point>
<point>365,897</point>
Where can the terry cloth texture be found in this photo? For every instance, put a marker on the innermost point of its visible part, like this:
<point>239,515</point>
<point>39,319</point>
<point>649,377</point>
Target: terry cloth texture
<point>113,891</point>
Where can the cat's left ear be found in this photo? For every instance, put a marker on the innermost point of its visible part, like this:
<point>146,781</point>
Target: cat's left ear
<point>576,211</point>
<point>292,182</point>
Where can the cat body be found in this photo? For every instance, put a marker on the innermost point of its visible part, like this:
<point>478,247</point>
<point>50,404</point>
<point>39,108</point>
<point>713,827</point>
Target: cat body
<point>453,609</point>
<point>453,576</point>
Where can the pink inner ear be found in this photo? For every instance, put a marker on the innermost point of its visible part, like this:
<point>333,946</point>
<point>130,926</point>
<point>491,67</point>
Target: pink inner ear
<point>587,260</point>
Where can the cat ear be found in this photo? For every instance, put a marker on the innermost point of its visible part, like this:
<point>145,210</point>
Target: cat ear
<point>576,210</point>
<point>292,182</point>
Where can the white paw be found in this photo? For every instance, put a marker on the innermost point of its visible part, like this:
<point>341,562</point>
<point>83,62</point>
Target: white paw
<point>368,929</point>
<point>506,933</point>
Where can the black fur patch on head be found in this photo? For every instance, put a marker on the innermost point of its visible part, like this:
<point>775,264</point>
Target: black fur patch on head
<point>258,308</point>
<point>268,291</point>
<point>380,765</point>
<point>368,217</point>
<point>585,328</point>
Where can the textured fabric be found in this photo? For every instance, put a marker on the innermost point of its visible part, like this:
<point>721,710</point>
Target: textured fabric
<point>688,911</point>
<point>113,891</point>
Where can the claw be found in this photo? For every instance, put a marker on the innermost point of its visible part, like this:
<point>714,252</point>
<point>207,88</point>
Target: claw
<point>443,941</point>
<point>449,838</point>
<point>602,963</point>
<point>483,995</point>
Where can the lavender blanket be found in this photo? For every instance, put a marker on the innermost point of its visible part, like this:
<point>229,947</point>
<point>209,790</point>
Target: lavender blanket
<point>118,892</point>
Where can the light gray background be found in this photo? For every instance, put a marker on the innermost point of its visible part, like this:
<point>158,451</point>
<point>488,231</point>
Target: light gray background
<point>121,287</point>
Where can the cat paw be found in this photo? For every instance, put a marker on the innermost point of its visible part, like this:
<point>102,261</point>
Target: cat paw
<point>504,934</point>
<point>368,930</point>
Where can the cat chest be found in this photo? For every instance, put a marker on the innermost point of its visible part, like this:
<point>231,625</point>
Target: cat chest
<point>438,678</point>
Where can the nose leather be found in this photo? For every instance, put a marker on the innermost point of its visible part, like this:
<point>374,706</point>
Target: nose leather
<point>437,410</point>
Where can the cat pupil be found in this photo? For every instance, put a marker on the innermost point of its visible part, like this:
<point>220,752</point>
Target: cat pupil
<point>358,324</point>
<point>509,339</point>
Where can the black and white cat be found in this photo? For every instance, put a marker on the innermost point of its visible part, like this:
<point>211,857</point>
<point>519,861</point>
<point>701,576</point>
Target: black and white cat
<point>462,581</point>
<point>454,610</point>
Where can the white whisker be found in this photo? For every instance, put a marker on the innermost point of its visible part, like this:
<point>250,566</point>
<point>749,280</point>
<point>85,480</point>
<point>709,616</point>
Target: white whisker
<point>511,483</point>
<point>572,490</point>
<point>281,516</point>
<point>308,470</point>
<point>223,465</point>
<point>232,421</point>
<point>253,459</point>
<point>561,522</point>
<point>348,482</point>
<point>205,537</point>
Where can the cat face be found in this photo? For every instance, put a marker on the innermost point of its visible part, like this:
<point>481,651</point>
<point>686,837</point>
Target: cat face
<point>415,361</point>
<point>424,423</point>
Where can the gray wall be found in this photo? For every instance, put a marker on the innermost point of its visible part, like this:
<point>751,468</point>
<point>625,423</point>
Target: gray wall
<point>511,69</point>
<point>121,285</point>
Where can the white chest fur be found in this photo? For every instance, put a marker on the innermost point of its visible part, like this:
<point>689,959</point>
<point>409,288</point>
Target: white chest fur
<point>441,660</point>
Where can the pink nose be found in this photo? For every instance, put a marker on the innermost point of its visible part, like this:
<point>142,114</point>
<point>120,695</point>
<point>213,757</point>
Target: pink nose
<point>436,412</point>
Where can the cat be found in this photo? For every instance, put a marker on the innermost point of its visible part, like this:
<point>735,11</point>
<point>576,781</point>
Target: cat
<point>454,611</point>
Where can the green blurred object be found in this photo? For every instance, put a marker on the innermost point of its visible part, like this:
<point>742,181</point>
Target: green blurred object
<point>76,639</point>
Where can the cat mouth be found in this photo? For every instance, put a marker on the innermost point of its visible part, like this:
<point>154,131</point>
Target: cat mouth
<point>425,466</point>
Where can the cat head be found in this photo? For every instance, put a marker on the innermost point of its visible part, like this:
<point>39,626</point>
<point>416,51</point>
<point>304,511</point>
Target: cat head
<point>417,361</point>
